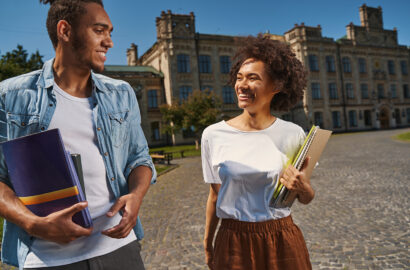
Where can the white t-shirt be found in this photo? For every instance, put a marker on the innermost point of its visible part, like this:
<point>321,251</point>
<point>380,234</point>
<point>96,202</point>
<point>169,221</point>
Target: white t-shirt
<point>74,117</point>
<point>247,164</point>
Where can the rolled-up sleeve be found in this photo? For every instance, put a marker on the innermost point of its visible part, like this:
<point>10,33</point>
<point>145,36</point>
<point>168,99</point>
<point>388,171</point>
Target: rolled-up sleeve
<point>4,176</point>
<point>138,153</point>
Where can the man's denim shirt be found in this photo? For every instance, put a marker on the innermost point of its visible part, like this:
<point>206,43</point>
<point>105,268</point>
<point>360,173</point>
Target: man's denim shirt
<point>27,104</point>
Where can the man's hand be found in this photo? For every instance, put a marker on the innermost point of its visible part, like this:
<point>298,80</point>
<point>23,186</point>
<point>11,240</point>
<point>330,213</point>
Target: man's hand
<point>129,205</point>
<point>59,227</point>
<point>297,181</point>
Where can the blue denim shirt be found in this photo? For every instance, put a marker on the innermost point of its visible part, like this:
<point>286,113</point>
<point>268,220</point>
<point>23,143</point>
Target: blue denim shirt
<point>27,104</point>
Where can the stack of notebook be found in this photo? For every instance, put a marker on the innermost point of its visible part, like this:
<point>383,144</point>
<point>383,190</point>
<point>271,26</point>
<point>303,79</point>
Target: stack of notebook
<point>313,146</point>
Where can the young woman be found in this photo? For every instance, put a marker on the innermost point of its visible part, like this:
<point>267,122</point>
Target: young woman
<point>242,158</point>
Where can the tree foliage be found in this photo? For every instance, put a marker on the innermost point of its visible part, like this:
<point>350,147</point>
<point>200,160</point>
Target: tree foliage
<point>198,111</point>
<point>18,62</point>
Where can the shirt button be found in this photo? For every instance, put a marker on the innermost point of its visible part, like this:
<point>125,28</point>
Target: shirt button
<point>42,128</point>
<point>51,105</point>
<point>112,178</point>
<point>106,154</point>
<point>98,129</point>
<point>23,124</point>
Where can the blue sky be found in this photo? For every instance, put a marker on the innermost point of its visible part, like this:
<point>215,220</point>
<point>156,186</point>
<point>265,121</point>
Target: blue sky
<point>23,21</point>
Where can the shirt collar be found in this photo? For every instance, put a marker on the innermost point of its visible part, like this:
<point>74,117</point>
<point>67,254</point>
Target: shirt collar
<point>46,78</point>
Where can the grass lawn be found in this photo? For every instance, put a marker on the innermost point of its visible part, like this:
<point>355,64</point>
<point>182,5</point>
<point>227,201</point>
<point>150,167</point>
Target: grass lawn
<point>404,137</point>
<point>189,150</point>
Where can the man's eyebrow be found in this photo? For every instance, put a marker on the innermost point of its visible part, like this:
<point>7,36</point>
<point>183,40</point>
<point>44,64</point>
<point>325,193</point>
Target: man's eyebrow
<point>104,25</point>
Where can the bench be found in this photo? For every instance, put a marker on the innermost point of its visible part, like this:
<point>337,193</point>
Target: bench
<point>179,151</point>
<point>161,157</point>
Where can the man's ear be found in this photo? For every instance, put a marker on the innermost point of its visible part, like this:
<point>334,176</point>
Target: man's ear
<point>63,31</point>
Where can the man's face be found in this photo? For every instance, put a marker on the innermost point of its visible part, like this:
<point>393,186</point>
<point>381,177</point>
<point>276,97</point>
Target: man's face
<point>91,38</point>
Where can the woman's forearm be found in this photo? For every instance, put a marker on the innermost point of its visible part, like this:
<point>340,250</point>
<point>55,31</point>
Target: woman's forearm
<point>211,218</point>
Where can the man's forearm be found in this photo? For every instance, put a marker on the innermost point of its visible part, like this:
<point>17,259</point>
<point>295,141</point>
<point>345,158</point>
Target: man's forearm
<point>139,181</point>
<point>13,210</point>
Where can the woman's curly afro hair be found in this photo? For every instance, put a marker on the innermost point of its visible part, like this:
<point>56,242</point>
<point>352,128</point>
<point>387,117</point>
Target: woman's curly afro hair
<point>282,66</point>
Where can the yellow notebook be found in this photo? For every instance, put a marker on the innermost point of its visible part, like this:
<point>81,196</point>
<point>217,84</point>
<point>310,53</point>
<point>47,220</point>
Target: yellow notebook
<point>313,146</point>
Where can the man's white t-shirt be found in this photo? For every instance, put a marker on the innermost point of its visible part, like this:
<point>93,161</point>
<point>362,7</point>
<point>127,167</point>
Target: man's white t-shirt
<point>74,117</point>
<point>246,164</point>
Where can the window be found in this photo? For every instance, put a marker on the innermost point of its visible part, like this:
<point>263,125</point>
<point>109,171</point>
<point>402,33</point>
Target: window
<point>336,120</point>
<point>152,99</point>
<point>330,63</point>
<point>403,65</point>
<point>397,116</point>
<point>408,115</point>
<point>316,91</point>
<point>390,67</point>
<point>346,64</point>
<point>155,135</point>
<point>183,63</point>
<point>367,117</point>
<point>318,119</point>
<point>353,118</point>
<point>332,91</point>
<point>349,91</point>
<point>380,91</point>
<point>313,64</point>
<point>362,65</point>
<point>228,95</point>
<point>184,92</point>
<point>225,62</point>
<point>364,91</point>
<point>204,64</point>
<point>406,93</point>
<point>393,91</point>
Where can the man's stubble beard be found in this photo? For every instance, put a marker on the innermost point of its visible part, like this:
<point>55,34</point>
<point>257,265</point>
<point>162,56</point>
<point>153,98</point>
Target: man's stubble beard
<point>80,50</point>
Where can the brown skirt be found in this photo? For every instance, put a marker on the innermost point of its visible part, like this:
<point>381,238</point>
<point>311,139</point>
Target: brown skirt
<point>274,245</point>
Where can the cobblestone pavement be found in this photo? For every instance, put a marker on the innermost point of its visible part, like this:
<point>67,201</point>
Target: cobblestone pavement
<point>359,218</point>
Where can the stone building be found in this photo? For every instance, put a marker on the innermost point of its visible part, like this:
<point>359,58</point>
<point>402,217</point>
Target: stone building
<point>357,82</point>
<point>147,83</point>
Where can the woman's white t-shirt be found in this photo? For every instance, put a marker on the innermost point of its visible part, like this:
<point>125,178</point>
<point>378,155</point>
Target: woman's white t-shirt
<point>247,164</point>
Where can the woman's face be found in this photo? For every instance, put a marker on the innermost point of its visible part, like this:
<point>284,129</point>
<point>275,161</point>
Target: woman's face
<point>254,88</point>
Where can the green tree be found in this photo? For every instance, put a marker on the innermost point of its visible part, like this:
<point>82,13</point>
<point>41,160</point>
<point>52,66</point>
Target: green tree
<point>18,62</point>
<point>198,111</point>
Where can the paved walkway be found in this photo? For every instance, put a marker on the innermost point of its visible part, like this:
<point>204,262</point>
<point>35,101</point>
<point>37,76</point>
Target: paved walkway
<point>358,220</point>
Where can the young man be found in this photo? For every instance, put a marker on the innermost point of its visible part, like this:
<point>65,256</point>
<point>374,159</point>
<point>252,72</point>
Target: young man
<point>98,118</point>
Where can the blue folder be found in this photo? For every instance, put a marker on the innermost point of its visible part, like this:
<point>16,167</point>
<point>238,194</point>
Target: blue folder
<point>43,175</point>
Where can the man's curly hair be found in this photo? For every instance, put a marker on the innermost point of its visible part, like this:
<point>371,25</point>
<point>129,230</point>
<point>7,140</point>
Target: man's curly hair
<point>68,10</point>
<point>282,66</point>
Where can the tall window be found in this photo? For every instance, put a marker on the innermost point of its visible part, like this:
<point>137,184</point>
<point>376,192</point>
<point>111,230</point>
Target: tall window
<point>152,99</point>
<point>336,119</point>
<point>364,91</point>
<point>206,87</point>
<point>406,93</point>
<point>225,62</point>
<point>380,90</point>
<point>393,91</point>
<point>346,64</point>
<point>390,67</point>
<point>403,65</point>
<point>353,118</point>
<point>367,117</point>
<point>155,135</point>
<point>349,91</point>
<point>205,64</point>
<point>313,63</point>
<point>316,91</point>
<point>184,92</point>
<point>318,119</point>
<point>332,91</point>
<point>397,116</point>
<point>183,63</point>
<point>330,63</point>
<point>408,115</point>
<point>362,65</point>
<point>228,95</point>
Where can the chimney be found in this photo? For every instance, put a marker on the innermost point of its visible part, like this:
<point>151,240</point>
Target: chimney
<point>132,55</point>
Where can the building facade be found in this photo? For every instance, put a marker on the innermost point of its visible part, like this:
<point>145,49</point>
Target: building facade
<point>357,82</point>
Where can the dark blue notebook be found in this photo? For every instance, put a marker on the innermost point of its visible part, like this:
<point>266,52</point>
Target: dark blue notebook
<point>43,174</point>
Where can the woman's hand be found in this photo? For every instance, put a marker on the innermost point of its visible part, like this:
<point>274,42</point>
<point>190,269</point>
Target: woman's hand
<point>209,254</point>
<point>297,181</point>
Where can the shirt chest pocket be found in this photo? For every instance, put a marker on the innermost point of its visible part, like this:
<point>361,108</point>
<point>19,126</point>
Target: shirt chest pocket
<point>22,124</point>
<point>119,127</point>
